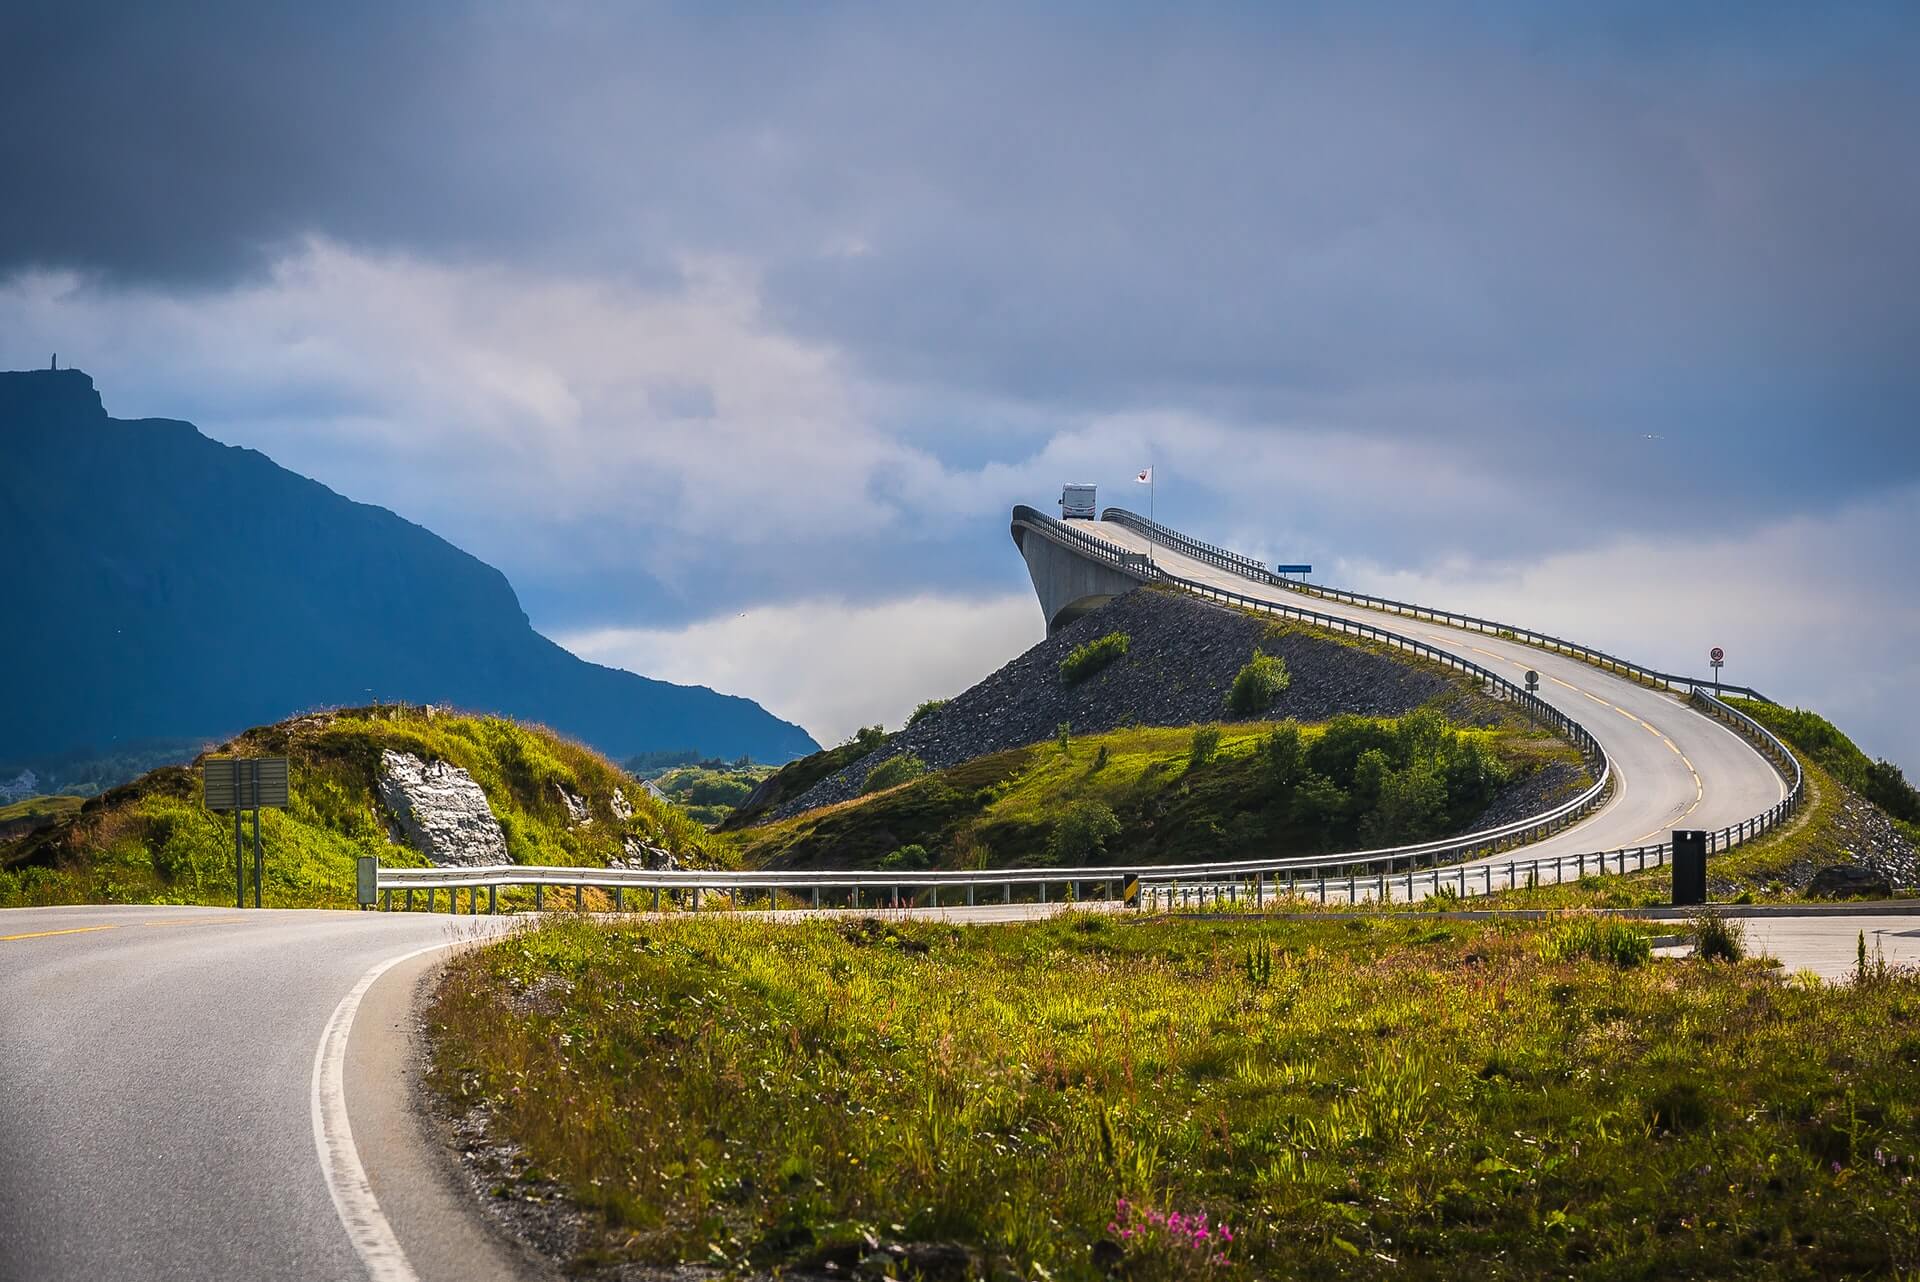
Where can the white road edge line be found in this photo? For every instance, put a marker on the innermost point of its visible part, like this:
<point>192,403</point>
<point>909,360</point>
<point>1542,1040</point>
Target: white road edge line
<point>360,1213</point>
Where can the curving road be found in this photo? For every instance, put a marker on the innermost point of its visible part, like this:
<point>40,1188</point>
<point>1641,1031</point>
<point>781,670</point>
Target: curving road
<point>156,1087</point>
<point>1674,767</point>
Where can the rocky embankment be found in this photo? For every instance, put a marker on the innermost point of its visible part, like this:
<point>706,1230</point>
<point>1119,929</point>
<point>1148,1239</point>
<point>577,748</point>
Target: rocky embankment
<point>1182,656</point>
<point>1857,853</point>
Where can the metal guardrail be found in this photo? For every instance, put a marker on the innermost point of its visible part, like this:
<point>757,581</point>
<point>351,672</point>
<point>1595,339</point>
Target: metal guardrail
<point>1136,564</point>
<point>1366,876</point>
<point>1247,566</point>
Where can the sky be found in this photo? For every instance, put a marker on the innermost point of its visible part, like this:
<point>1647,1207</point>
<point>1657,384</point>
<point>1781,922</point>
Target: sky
<point>732,334</point>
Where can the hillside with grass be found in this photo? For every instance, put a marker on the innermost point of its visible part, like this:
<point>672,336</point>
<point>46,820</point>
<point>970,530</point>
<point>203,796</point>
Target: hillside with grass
<point>1150,658</point>
<point>1166,795</point>
<point>151,841</point>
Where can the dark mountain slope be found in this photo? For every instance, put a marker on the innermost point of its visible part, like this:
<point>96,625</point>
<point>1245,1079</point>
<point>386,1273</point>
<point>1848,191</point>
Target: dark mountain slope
<point>163,584</point>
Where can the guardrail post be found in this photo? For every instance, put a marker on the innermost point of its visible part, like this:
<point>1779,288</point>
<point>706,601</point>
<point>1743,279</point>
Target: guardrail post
<point>619,899</point>
<point>1043,890</point>
<point>816,896</point>
<point>1259,890</point>
<point>387,903</point>
<point>934,892</point>
<point>1009,889</point>
<point>539,897</point>
<point>493,900</point>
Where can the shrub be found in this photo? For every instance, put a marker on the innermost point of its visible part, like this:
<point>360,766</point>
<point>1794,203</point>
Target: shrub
<point>1082,832</point>
<point>1205,746</point>
<point>925,710</point>
<point>1258,684</point>
<point>908,858</point>
<point>1286,754</point>
<point>1717,938</point>
<point>893,772</point>
<point>1600,939</point>
<point>1087,659</point>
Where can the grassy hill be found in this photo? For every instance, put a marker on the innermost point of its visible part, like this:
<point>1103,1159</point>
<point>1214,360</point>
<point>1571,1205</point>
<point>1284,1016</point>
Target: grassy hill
<point>151,841</point>
<point>1161,795</point>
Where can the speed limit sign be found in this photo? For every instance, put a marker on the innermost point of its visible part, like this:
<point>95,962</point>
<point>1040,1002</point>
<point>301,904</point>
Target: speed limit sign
<point>1717,655</point>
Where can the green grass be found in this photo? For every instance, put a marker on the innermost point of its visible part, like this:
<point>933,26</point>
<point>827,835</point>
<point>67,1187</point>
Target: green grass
<point>152,842</point>
<point>1367,1098</point>
<point>1230,802</point>
<point>32,811</point>
<point>1088,658</point>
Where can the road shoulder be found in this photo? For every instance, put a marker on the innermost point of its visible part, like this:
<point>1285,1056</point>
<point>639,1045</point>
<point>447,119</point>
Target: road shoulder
<point>409,1152</point>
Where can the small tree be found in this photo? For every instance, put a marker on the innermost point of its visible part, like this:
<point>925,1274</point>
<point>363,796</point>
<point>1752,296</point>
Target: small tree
<point>925,710</point>
<point>1204,748</point>
<point>910,858</point>
<point>1286,755</point>
<point>1082,833</point>
<point>1258,684</point>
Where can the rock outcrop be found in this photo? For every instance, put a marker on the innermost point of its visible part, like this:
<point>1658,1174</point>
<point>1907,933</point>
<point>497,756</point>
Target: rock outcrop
<point>577,811</point>
<point>440,810</point>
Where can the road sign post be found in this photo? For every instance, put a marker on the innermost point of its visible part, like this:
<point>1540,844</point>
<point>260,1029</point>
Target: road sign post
<point>240,784</point>
<point>1533,681</point>
<point>1716,657</point>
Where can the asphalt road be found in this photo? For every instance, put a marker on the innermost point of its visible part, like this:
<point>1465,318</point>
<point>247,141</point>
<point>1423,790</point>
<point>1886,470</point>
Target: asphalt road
<point>156,1067</point>
<point>1675,767</point>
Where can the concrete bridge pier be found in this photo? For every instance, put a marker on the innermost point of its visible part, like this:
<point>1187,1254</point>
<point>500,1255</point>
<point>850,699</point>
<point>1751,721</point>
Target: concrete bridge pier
<point>1067,583</point>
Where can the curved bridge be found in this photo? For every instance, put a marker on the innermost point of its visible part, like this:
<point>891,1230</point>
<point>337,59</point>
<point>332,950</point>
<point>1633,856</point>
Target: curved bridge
<point>1674,765</point>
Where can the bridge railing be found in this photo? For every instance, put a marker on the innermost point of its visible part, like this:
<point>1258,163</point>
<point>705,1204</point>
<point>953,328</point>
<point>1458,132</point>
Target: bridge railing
<point>1137,564</point>
<point>1253,569</point>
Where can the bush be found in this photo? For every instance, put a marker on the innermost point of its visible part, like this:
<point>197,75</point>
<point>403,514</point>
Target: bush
<point>925,710</point>
<point>1600,939</point>
<point>1082,833</point>
<point>1205,746</point>
<point>1286,754</point>
<point>1258,684</point>
<point>1085,660</point>
<point>1718,938</point>
<point>907,858</point>
<point>893,772</point>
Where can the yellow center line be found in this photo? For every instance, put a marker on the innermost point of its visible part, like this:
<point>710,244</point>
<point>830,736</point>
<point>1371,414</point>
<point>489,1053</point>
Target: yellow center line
<point>42,934</point>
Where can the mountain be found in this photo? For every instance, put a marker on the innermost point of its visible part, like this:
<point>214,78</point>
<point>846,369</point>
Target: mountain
<point>163,585</point>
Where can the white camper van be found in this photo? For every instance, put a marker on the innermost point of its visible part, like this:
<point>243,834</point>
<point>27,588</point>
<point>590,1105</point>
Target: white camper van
<point>1077,501</point>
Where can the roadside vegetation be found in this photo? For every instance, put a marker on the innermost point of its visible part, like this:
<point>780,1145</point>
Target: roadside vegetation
<point>1819,740</point>
<point>711,790</point>
<point>152,841</point>
<point>1102,1096</point>
<point>1239,790</point>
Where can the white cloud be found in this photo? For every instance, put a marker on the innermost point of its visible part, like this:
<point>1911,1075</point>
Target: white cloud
<point>830,666</point>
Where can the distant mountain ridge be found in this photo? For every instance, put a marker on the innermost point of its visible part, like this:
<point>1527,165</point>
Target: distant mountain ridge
<point>161,584</point>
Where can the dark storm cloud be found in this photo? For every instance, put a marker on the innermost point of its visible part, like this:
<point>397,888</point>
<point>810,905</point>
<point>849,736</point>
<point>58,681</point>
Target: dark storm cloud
<point>1645,268</point>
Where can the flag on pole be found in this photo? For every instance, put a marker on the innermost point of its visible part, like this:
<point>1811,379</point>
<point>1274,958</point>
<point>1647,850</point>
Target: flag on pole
<point>1145,477</point>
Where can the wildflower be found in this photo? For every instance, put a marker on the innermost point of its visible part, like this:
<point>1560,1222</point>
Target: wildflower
<point>1836,1168</point>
